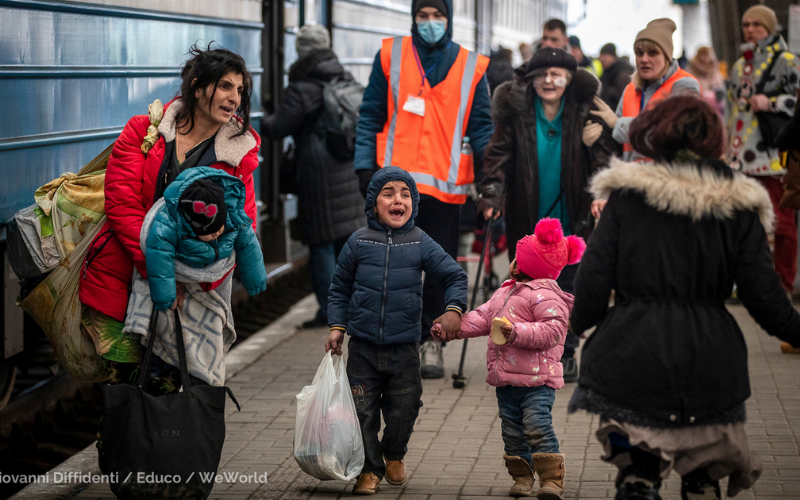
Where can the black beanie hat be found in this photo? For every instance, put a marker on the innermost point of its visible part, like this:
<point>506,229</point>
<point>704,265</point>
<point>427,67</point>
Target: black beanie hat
<point>203,204</point>
<point>550,58</point>
<point>609,49</point>
<point>437,4</point>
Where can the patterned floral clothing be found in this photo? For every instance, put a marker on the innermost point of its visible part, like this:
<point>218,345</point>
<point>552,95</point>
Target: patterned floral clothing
<point>747,152</point>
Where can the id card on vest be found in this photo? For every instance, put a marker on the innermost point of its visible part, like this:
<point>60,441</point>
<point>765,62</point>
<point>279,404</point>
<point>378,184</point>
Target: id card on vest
<point>415,105</point>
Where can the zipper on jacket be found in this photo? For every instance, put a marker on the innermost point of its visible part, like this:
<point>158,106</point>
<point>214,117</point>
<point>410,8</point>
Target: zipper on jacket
<point>385,283</point>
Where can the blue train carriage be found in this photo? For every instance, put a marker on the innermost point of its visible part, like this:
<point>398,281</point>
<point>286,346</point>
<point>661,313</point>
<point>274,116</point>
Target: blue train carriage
<point>71,75</point>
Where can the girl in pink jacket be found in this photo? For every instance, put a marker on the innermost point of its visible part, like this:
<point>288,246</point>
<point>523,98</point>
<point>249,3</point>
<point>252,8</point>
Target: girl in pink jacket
<point>525,352</point>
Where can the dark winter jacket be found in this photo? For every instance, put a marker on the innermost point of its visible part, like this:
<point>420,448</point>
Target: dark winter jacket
<point>328,198</point>
<point>672,241</point>
<point>614,81</point>
<point>511,173</point>
<point>438,60</point>
<point>376,294</point>
<point>171,237</point>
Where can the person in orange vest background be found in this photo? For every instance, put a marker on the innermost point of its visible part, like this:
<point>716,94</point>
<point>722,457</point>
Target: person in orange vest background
<point>657,77</point>
<point>427,110</point>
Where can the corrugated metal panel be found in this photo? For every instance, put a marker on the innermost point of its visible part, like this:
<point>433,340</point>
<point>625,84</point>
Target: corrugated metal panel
<point>71,75</point>
<point>360,25</point>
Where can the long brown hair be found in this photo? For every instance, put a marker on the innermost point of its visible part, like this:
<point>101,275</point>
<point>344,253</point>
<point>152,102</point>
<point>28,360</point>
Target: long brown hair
<point>207,67</point>
<point>684,121</point>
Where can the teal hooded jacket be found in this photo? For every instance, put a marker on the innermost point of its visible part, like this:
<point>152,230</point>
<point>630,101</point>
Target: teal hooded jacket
<point>171,237</point>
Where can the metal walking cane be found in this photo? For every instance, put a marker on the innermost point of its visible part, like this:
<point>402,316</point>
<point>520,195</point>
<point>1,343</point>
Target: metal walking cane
<point>459,380</point>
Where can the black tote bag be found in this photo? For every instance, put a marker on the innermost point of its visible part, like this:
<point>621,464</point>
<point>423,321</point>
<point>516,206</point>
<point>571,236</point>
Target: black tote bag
<point>164,446</point>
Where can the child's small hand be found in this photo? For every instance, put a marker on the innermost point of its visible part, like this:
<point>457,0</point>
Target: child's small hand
<point>506,329</point>
<point>334,342</point>
<point>436,331</point>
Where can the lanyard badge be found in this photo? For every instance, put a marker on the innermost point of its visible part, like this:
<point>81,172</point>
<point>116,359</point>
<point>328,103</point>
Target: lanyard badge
<point>415,104</point>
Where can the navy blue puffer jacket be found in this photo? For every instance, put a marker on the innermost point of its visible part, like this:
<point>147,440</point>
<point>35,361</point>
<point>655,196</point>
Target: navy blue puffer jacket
<point>171,237</point>
<point>376,294</point>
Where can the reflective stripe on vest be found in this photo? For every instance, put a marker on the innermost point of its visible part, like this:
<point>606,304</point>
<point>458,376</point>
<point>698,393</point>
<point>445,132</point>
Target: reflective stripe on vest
<point>429,147</point>
<point>397,52</point>
<point>632,97</point>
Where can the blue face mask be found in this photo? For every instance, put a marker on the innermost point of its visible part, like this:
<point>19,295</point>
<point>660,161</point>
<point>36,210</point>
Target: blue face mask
<point>432,31</point>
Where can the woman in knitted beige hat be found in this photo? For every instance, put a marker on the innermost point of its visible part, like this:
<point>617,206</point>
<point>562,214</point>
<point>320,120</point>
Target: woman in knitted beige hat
<point>762,87</point>
<point>657,77</point>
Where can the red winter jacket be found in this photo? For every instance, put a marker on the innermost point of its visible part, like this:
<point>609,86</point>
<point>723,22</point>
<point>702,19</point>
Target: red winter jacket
<point>130,187</point>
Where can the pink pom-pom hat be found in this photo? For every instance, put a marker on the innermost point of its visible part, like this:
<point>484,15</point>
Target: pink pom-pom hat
<point>544,253</point>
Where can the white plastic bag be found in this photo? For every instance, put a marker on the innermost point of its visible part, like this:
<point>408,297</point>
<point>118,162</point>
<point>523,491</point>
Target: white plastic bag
<point>327,437</point>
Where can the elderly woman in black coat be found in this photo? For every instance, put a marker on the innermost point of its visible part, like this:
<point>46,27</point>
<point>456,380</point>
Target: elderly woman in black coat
<point>544,148</point>
<point>666,368</point>
<point>330,204</point>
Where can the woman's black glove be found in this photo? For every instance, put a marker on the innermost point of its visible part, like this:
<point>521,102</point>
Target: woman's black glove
<point>492,196</point>
<point>364,177</point>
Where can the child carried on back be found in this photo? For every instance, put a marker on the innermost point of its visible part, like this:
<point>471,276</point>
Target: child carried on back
<point>526,320</point>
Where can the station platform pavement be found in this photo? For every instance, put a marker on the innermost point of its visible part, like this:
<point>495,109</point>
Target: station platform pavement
<point>456,449</point>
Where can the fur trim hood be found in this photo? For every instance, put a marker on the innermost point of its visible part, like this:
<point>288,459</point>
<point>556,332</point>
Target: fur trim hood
<point>516,97</point>
<point>688,189</point>
<point>227,148</point>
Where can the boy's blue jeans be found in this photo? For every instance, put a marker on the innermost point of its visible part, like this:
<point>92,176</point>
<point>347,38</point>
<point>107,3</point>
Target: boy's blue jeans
<point>384,378</point>
<point>527,421</point>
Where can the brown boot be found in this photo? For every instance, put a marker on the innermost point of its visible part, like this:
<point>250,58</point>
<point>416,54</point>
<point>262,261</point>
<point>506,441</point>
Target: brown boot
<point>395,472</point>
<point>367,484</point>
<point>550,468</point>
<point>522,473</point>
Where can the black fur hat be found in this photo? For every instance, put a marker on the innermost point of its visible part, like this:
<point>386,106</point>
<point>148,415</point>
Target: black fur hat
<point>550,58</point>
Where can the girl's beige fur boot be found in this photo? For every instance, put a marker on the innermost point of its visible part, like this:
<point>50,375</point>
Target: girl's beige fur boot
<point>522,473</point>
<point>550,468</point>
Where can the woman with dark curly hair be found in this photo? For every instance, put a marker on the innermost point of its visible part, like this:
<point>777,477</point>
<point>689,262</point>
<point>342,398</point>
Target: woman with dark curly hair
<point>206,124</point>
<point>666,369</point>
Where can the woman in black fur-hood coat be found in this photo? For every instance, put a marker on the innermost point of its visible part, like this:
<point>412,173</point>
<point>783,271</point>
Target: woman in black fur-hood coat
<point>511,170</point>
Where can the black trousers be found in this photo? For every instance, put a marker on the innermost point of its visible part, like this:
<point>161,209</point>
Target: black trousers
<point>441,221</point>
<point>384,379</point>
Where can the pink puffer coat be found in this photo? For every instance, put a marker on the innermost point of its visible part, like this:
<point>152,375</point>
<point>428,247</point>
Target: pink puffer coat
<point>539,310</point>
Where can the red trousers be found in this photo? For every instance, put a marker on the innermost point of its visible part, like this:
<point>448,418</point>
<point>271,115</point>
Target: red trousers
<point>785,255</point>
